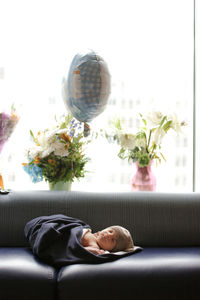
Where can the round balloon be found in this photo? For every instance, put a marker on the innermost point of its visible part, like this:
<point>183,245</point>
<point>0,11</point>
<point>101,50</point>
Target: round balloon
<point>87,88</point>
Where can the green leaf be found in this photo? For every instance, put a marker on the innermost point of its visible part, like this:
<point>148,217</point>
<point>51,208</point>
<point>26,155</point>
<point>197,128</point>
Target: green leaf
<point>143,160</point>
<point>141,134</point>
<point>116,123</point>
<point>32,135</point>
<point>144,128</point>
<point>145,122</point>
<point>163,156</point>
<point>163,120</point>
<point>121,153</point>
<point>167,125</point>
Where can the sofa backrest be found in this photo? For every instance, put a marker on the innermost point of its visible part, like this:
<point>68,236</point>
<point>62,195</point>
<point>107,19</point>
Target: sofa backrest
<point>154,219</point>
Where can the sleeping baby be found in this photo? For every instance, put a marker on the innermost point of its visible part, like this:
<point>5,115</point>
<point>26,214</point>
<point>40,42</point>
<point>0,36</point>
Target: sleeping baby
<point>61,240</point>
<point>112,239</point>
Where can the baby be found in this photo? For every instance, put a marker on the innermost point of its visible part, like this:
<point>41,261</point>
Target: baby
<point>112,239</point>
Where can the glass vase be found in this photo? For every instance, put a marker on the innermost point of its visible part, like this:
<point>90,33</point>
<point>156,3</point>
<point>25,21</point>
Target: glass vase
<point>143,179</point>
<point>60,186</point>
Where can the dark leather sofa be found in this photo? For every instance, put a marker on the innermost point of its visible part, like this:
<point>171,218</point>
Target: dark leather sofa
<point>167,226</point>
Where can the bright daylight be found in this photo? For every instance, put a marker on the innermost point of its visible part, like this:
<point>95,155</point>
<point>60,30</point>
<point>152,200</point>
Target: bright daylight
<point>147,47</point>
<point>99,150</point>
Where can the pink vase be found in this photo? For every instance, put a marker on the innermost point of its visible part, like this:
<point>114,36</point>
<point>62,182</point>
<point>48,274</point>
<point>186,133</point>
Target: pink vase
<point>144,179</point>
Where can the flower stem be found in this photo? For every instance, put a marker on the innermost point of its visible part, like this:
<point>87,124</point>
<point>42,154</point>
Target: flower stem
<point>149,140</point>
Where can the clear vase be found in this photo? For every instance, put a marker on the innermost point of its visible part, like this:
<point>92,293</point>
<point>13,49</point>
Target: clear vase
<point>60,186</point>
<point>143,179</point>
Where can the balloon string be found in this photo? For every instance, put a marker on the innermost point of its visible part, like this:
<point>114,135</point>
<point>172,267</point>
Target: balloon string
<point>86,130</point>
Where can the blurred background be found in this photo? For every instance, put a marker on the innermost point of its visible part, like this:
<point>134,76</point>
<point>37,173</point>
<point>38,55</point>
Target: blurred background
<point>149,48</point>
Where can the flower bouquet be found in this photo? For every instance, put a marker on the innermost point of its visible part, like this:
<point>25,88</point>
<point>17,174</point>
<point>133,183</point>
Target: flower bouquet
<point>8,123</point>
<point>144,145</point>
<point>7,126</point>
<point>57,154</point>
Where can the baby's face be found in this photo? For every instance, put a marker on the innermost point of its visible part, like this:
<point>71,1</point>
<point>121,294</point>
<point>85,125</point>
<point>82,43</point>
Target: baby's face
<point>106,238</point>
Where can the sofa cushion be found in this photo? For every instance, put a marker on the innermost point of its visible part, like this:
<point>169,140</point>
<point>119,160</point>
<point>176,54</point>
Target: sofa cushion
<point>23,277</point>
<point>154,219</point>
<point>154,273</point>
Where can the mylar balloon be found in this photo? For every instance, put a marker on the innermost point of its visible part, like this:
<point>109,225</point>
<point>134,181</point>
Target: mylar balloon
<point>87,88</point>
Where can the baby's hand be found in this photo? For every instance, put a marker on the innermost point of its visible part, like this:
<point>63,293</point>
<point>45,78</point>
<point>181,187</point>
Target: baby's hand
<point>95,250</point>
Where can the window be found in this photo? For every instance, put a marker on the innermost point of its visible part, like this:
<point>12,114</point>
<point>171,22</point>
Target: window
<point>149,47</point>
<point>197,101</point>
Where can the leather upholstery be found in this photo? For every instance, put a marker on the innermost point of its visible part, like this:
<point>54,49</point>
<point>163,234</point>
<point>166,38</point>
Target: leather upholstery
<point>166,225</point>
<point>154,273</point>
<point>23,277</point>
<point>154,219</point>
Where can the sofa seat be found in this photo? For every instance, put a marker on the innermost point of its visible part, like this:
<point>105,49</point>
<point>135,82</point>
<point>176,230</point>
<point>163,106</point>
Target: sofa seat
<point>153,273</point>
<point>23,277</point>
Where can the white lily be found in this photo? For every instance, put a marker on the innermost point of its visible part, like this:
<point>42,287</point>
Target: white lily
<point>158,136</point>
<point>35,151</point>
<point>55,131</point>
<point>46,152</point>
<point>145,144</point>
<point>155,117</point>
<point>176,125</point>
<point>127,140</point>
<point>59,148</point>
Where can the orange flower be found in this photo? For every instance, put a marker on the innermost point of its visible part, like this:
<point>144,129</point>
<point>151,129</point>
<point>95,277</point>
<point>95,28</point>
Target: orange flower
<point>51,161</point>
<point>66,146</point>
<point>14,117</point>
<point>65,137</point>
<point>36,160</point>
<point>24,164</point>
